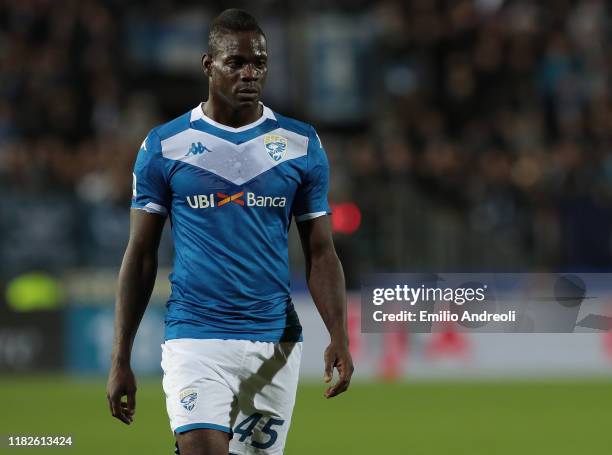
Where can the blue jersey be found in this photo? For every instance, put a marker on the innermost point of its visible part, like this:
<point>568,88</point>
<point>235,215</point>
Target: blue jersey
<point>230,194</point>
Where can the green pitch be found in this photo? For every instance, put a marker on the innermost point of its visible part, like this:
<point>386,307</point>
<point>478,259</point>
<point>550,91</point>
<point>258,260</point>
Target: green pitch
<point>468,418</point>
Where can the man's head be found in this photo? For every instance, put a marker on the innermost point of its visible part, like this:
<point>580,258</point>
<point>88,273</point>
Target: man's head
<point>236,61</point>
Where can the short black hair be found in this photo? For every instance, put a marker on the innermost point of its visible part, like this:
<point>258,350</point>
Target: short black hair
<point>231,20</point>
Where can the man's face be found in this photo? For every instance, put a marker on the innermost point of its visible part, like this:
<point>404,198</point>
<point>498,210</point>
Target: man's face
<point>237,71</point>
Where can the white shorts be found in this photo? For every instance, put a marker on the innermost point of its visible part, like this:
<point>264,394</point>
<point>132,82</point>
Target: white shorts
<point>245,388</point>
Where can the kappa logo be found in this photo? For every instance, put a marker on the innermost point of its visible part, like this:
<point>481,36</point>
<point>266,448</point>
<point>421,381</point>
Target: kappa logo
<point>275,145</point>
<point>188,398</point>
<point>197,148</point>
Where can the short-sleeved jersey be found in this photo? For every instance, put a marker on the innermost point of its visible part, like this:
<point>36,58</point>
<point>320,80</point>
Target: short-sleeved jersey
<point>230,194</point>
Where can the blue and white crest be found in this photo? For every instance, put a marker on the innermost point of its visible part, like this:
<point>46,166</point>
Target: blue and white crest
<point>188,398</point>
<point>275,145</point>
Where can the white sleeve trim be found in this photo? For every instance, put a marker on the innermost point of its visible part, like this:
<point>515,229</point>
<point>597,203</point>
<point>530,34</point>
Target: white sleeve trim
<point>309,216</point>
<point>151,207</point>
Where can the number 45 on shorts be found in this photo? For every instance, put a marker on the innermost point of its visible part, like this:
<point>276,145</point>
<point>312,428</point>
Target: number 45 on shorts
<point>246,427</point>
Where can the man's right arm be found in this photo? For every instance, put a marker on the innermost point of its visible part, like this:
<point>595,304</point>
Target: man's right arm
<point>134,287</point>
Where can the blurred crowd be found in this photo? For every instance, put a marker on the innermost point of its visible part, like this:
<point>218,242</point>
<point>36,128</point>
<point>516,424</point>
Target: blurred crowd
<point>486,143</point>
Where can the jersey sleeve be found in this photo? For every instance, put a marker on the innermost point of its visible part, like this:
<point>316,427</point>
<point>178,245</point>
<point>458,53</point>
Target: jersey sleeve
<point>150,189</point>
<point>311,198</point>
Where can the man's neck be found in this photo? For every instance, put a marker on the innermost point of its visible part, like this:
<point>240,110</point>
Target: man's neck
<point>229,116</point>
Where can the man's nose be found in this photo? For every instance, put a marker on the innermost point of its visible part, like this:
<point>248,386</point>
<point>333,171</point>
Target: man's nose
<point>250,72</point>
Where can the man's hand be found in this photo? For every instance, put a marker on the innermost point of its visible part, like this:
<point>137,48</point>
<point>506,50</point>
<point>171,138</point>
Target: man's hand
<point>338,355</point>
<point>121,382</point>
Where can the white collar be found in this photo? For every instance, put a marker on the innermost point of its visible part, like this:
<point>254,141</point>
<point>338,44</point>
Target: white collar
<point>198,114</point>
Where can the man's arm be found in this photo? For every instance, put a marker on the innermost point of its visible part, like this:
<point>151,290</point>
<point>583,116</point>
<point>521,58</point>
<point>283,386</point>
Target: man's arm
<point>134,287</point>
<point>326,283</point>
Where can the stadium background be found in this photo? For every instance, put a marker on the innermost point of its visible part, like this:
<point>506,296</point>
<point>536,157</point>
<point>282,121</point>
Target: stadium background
<point>462,136</point>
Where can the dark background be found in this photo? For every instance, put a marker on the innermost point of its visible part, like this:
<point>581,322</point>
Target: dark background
<point>471,135</point>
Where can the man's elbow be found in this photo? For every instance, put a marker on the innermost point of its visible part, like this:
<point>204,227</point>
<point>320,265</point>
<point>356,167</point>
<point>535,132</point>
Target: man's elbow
<point>140,253</point>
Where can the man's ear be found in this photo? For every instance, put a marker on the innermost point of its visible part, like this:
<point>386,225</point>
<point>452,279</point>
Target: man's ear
<point>206,64</point>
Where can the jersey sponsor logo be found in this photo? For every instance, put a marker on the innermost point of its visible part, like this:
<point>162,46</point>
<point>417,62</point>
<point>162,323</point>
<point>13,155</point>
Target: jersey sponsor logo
<point>197,148</point>
<point>205,201</point>
<point>265,201</point>
<point>188,398</point>
<point>201,201</point>
<point>275,145</point>
<point>235,198</point>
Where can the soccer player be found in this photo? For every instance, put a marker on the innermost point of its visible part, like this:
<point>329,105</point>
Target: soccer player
<point>230,174</point>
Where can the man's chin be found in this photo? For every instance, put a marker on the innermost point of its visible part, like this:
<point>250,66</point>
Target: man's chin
<point>248,103</point>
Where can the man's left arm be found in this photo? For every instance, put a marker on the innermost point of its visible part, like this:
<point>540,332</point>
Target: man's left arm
<point>326,283</point>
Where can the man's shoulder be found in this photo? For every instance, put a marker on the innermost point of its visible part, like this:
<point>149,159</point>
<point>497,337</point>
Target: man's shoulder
<point>294,125</point>
<point>172,127</point>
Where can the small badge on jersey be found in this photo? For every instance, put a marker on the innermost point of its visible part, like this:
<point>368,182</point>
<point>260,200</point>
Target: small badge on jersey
<point>188,398</point>
<point>275,145</point>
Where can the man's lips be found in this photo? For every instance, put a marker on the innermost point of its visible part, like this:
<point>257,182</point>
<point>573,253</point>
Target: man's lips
<point>248,95</point>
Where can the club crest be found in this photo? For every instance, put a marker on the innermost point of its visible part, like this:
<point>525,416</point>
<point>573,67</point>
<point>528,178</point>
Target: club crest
<point>188,398</point>
<point>275,145</point>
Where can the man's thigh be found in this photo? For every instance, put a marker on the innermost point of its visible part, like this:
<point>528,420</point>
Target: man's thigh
<point>200,379</point>
<point>266,398</point>
<point>203,442</point>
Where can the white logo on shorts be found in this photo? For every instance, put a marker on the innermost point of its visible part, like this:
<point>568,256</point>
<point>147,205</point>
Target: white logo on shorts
<point>188,398</point>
